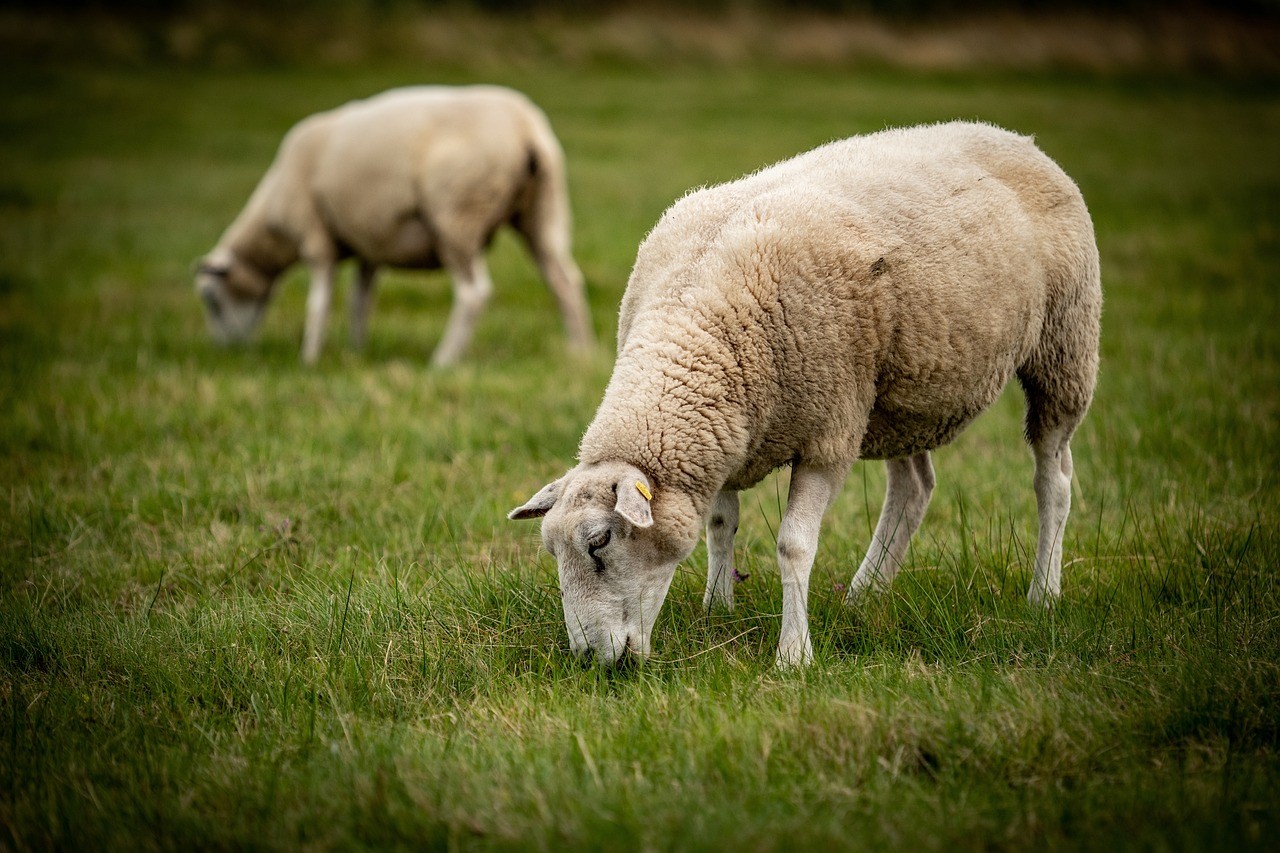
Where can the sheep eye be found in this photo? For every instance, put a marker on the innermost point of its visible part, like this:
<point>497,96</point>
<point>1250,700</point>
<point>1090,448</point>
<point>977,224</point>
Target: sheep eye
<point>601,539</point>
<point>215,270</point>
<point>594,544</point>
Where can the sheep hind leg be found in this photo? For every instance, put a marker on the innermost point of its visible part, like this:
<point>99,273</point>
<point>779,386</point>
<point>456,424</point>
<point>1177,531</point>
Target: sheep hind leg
<point>909,486</point>
<point>721,528</point>
<point>471,290</point>
<point>565,282</point>
<point>545,228</point>
<point>361,300</point>
<point>1053,503</point>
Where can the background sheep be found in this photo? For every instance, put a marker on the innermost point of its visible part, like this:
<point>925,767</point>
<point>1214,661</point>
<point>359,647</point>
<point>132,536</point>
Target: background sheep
<point>418,177</point>
<point>864,300</point>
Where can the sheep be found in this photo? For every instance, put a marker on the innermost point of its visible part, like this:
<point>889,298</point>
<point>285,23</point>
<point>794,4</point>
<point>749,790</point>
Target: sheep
<point>419,177</point>
<point>865,300</point>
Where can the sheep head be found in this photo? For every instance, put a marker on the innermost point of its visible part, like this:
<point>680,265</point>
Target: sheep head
<point>234,294</point>
<point>616,542</point>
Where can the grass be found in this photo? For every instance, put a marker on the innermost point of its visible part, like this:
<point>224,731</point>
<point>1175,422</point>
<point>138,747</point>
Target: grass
<point>247,604</point>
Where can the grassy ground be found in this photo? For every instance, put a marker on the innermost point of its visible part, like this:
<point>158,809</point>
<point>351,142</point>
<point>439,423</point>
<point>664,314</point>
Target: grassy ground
<point>243,603</point>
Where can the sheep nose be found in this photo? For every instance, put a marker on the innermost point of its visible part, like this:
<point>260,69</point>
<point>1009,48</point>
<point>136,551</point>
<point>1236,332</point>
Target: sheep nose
<point>210,300</point>
<point>629,659</point>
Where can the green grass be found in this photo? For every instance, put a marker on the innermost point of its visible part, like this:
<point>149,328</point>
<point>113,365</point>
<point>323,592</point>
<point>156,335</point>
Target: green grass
<point>243,603</point>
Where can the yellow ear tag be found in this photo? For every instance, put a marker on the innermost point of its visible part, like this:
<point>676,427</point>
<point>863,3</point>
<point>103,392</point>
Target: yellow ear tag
<point>644,490</point>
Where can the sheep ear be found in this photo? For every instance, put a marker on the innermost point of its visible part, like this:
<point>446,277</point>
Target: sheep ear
<point>634,495</point>
<point>209,265</point>
<point>218,262</point>
<point>540,504</point>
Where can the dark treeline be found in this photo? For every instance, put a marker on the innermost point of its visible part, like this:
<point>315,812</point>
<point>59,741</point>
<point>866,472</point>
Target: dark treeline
<point>1234,37</point>
<point>894,9</point>
<point>883,8</point>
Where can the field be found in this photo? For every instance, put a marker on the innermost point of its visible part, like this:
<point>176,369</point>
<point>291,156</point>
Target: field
<point>249,604</point>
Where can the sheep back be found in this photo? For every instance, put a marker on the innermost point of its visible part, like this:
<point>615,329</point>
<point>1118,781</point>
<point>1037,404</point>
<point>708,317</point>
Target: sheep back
<point>864,300</point>
<point>396,177</point>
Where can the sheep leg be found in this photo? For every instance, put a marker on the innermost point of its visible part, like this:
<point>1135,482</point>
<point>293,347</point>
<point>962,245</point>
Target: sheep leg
<point>721,527</point>
<point>909,486</point>
<point>1053,502</point>
<point>812,490</point>
<point>564,280</point>
<point>361,300</point>
<point>471,290</point>
<point>318,299</point>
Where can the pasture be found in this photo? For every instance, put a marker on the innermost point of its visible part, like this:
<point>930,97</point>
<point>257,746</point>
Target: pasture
<point>245,603</point>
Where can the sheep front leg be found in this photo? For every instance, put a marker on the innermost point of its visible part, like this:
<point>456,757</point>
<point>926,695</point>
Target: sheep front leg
<point>361,300</point>
<point>1053,502</point>
<point>721,527</point>
<point>318,299</point>
<point>908,488</point>
<point>812,490</point>
<point>471,290</point>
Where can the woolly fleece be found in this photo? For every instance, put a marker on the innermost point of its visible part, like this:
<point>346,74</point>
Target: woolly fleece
<point>866,299</point>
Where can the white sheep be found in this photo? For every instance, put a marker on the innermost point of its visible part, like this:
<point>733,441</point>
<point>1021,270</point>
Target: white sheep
<point>865,300</point>
<point>419,177</point>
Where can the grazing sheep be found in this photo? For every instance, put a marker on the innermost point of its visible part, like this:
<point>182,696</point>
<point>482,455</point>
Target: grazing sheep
<point>419,177</point>
<point>867,300</point>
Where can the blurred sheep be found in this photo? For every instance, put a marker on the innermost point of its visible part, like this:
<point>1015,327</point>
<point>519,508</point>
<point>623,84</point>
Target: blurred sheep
<point>419,178</point>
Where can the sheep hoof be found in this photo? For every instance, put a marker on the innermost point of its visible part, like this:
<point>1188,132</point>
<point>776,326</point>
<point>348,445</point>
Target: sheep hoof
<point>717,605</point>
<point>1042,598</point>
<point>794,655</point>
<point>443,362</point>
<point>858,593</point>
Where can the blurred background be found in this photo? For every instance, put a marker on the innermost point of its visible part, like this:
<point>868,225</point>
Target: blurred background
<point>1234,36</point>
